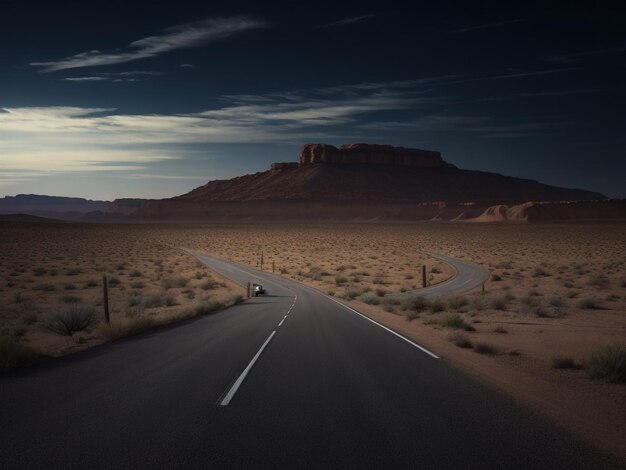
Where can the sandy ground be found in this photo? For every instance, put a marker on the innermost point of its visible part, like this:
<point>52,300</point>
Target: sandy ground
<point>47,268</point>
<point>556,290</point>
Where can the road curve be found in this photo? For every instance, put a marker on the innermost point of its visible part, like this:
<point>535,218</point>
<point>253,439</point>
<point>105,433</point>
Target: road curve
<point>288,380</point>
<point>467,277</point>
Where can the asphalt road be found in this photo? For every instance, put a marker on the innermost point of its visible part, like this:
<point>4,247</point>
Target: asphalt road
<point>330,389</point>
<point>467,277</point>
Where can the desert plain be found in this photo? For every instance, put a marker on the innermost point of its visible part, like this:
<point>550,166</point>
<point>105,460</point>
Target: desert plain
<point>557,293</point>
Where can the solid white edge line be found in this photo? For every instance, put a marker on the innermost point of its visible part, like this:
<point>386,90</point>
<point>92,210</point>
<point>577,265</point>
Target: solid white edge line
<point>231,393</point>
<point>421,348</point>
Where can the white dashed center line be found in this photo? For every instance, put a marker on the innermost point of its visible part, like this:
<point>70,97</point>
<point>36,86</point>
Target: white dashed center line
<point>233,389</point>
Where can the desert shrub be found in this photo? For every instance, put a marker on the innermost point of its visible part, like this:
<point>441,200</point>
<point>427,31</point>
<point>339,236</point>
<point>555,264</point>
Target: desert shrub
<point>177,281</point>
<point>608,362</point>
<point>19,298</point>
<point>134,300</point>
<point>599,280</point>
<point>69,286</point>
<point>70,299</point>
<point>137,285</point>
<point>352,292</point>
<point>564,362</point>
<point>540,272</point>
<point>391,301</point>
<point>437,306</point>
<point>457,303</point>
<point>456,321</point>
<point>70,319</point>
<point>485,348</point>
<point>331,292</point>
<point>500,329</point>
<point>133,326</point>
<point>208,285</point>
<point>495,277</point>
<point>370,298</point>
<point>541,312</point>
<point>315,273</point>
<point>30,319</point>
<point>39,272</point>
<point>19,332</point>
<point>13,352</point>
<point>461,340</point>
<point>113,281</point>
<point>435,270</point>
<point>408,277</point>
<point>497,303</point>
<point>411,315</point>
<point>199,275</point>
<point>378,280</point>
<point>202,307</point>
<point>134,273</point>
<point>380,292</point>
<point>340,280</point>
<point>589,304</point>
<point>46,287</point>
<point>504,265</point>
<point>72,271</point>
<point>417,304</point>
<point>556,301</point>
<point>568,284</point>
<point>91,283</point>
<point>234,299</point>
<point>151,300</point>
<point>169,299</point>
<point>529,301</point>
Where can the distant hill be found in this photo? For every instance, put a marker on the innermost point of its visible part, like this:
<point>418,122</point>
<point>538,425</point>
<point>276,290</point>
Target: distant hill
<point>25,218</point>
<point>51,206</point>
<point>358,181</point>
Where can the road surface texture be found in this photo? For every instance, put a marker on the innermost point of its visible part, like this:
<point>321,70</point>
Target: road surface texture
<point>467,276</point>
<point>325,389</point>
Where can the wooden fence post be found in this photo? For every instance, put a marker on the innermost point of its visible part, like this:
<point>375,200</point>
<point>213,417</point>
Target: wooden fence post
<point>424,275</point>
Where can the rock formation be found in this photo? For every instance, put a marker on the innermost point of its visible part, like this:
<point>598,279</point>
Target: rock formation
<point>126,205</point>
<point>284,166</point>
<point>368,154</point>
<point>361,181</point>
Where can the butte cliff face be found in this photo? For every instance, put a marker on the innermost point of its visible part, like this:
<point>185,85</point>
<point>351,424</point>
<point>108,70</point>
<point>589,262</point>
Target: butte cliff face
<point>358,181</point>
<point>368,154</point>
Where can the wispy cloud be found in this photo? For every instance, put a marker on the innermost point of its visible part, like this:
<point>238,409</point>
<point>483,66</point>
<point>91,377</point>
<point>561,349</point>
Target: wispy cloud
<point>539,94</point>
<point>485,26</point>
<point>517,74</point>
<point>577,56</point>
<point>72,139</point>
<point>86,79</point>
<point>128,76</point>
<point>177,37</point>
<point>350,20</point>
<point>483,126</point>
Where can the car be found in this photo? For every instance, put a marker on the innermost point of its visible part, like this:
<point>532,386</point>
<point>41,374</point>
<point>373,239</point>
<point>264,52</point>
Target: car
<point>258,289</point>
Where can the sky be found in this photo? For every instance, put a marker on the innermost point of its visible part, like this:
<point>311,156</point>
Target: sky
<point>115,99</point>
